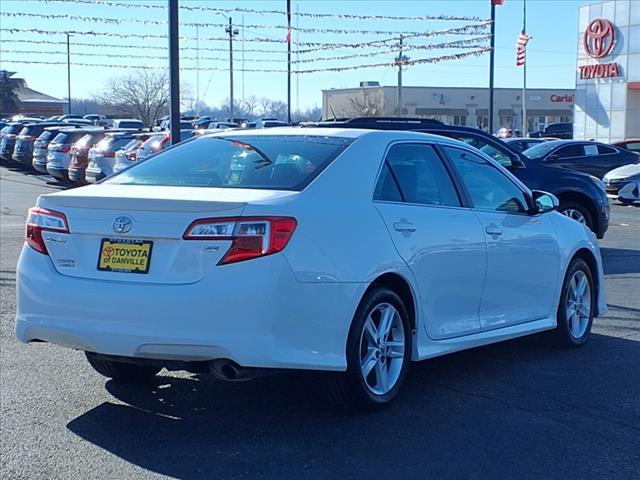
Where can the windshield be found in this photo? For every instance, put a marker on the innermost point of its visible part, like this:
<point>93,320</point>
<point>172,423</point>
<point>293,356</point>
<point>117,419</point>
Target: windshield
<point>540,150</point>
<point>279,162</point>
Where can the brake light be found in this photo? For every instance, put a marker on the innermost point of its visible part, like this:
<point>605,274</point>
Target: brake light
<point>251,237</point>
<point>61,148</point>
<point>29,138</point>
<point>108,153</point>
<point>42,220</point>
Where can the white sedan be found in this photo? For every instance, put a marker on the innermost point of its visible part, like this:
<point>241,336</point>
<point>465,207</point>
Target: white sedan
<point>349,251</point>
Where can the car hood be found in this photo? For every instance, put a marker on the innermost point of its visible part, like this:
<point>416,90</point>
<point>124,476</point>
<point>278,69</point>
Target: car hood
<point>623,172</point>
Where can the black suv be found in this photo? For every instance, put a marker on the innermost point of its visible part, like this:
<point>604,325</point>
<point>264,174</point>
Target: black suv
<point>581,196</point>
<point>563,131</point>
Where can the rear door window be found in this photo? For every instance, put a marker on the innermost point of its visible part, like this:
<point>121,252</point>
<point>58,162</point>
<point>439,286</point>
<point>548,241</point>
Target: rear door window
<point>570,151</point>
<point>419,176</point>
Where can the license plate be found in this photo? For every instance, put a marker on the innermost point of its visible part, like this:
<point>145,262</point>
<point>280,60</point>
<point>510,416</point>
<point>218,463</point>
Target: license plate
<point>124,255</point>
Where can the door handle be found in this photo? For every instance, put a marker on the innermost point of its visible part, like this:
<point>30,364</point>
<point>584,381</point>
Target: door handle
<point>404,227</point>
<point>493,230</point>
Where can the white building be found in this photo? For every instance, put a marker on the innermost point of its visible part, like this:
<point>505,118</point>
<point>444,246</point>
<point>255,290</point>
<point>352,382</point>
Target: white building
<point>453,105</point>
<point>608,75</point>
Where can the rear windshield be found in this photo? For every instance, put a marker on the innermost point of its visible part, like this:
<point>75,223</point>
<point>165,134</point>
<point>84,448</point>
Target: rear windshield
<point>12,129</point>
<point>68,137</point>
<point>33,130</point>
<point>46,135</point>
<point>132,144</point>
<point>278,162</point>
<point>152,143</point>
<point>130,124</point>
<point>112,143</point>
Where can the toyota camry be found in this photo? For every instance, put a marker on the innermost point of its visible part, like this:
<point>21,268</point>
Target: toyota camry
<point>354,252</point>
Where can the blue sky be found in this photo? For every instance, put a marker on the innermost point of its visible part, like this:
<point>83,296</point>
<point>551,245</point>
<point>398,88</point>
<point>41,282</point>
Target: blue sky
<point>551,53</point>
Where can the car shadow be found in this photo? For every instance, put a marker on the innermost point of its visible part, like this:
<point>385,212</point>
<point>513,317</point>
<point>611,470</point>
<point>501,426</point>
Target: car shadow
<point>620,260</point>
<point>516,408</point>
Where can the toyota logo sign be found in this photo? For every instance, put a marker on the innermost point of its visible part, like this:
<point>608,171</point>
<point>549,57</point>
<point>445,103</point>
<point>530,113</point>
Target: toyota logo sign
<point>122,224</point>
<point>599,38</point>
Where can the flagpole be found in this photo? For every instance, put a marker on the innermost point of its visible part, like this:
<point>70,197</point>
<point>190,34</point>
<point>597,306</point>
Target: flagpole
<point>524,77</point>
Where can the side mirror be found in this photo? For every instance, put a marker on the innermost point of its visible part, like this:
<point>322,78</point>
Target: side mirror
<point>544,201</point>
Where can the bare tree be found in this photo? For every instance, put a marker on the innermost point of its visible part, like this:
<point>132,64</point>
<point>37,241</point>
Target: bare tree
<point>368,104</point>
<point>250,106</point>
<point>142,94</point>
<point>265,106</point>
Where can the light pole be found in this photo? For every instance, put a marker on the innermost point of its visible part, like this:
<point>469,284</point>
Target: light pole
<point>232,32</point>
<point>68,74</point>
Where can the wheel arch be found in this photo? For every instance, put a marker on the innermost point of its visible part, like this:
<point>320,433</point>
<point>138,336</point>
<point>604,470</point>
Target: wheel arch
<point>582,199</point>
<point>402,287</point>
<point>590,259</point>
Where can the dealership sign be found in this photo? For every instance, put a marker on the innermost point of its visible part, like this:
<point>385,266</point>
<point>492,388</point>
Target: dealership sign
<point>598,42</point>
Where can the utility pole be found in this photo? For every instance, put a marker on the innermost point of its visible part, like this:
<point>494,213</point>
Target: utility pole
<point>289,62</point>
<point>174,72</point>
<point>231,31</point>
<point>68,75</point>
<point>491,64</point>
<point>400,60</point>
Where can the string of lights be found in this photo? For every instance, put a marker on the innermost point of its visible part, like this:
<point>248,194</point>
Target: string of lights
<point>149,47</point>
<point>341,16</point>
<point>119,21</point>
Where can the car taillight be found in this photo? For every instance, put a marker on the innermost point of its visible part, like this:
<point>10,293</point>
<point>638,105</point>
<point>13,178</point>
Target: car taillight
<point>42,220</point>
<point>62,149</point>
<point>251,237</point>
<point>29,138</point>
<point>108,153</point>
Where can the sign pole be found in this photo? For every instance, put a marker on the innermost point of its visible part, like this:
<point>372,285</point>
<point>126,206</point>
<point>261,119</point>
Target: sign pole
<point>492,64</point>
<point>174,72</point>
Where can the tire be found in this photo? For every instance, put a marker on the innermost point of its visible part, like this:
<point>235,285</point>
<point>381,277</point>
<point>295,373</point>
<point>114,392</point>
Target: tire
<point>578,212</point>
<point>573,330</point>
<point>122,371</point>
<point>354,390</point>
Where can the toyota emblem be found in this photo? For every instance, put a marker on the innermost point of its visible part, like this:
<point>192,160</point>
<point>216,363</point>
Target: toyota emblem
<point>122,224</point>
<point>599,38</point>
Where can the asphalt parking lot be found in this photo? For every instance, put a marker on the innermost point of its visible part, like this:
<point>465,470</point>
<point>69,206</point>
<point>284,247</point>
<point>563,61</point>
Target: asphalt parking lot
<point>520,409</point>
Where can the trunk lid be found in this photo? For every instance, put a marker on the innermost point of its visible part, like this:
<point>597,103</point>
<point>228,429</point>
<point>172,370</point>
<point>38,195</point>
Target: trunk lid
<point>155,214</point>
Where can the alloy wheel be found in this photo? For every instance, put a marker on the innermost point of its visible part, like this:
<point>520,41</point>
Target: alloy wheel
<point>382,349</point>
<point>575,215</point>
<point>578,306</point>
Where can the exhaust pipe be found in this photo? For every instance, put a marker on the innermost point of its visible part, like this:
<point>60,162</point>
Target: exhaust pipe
<point>230,371</point>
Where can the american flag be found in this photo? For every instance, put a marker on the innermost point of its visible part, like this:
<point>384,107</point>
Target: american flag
<point>521,51</point>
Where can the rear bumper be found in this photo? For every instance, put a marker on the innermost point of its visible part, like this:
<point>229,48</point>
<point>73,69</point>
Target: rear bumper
<point>77,174</point>
<point>255,313</point>
<point>57,171</point>
<point>25,158</point>
<point>93,175</point>
<point>40,164</point>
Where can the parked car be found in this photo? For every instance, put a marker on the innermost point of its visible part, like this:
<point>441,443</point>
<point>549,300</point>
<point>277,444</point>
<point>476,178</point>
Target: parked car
<point>184,125</point>
<point>556,130</point>
<point>453,252</point>
<point>157,143</point>
<point>102,155</point>
<point>632,144</point>
<point>127,155</point>
<point>582,197</point>
<point>270,123</point>
<point>521,144</point>
<point>80,155</point>
<point>97,119</point>
<point>25,142</point>
<point>41,145</point>
<point>593,158</point>
<point>620,177</point>
<point>70,116</point>
<point>59,151</point>
<point>8,142</point>
<point>131,123</point>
